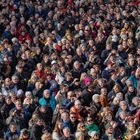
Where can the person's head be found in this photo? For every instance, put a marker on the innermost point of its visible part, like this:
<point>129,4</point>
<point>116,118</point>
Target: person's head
<point>77,104</point>
<point>39,66</point>
<point>131,126</point>
<point>43,108</point>
<point>116,101</point>
<point>93,72</point>
<point>76,65</point>
<point>137,73</point>
<point>46,93</point>
<point>96,98</point>
<point>122,115</point>
<point>117,88</point>
<point>129,82</point>
<point>103,91</point>
<point>19,68</point>
<point>81,127</point>
<point>34,117</point>
<point>8,100</point>
<point>28,94</point>
<point>7,81</point>
<point>138,61</point>
<point>12,94</point>
<point>39,121</point>
<point>89,120</point>
<point>2,135</point>
<point>94,135</point>
<point>136,101</point>
<point>70,95</point>
<point>58,126</point>
<point>13,127</point>
<point>18,104</point>
<point>24,134</point>
<point>15,79</point>
<point>79,136</point>
<point>109,128</point>
<point>64,116</point>
<point>68,76</point>
<point>79,51</point>
<point>123,105</point>
<point>120,96</point>
<point>83,76</point>
<point>38,85</point>
<point>101,82</point>
<point>130,89</point>
<point>131,61</point>
<point>73,117</point>
<point>46,136</point>
<point>66,132</point>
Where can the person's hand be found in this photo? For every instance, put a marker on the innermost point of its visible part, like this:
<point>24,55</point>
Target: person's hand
<point>14,113</point>
<point>130,136</point>
<point>76,79</point>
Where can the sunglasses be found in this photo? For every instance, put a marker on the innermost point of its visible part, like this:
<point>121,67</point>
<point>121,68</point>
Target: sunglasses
<point>89,120</point>
<point>83,126</point>
<point>73,117</point>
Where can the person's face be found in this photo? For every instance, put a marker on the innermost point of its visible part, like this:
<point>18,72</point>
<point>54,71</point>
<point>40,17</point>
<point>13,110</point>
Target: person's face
<point>123,106</point>
<point>68,78</point>
<point>40,122</point>
<point>78,106</point>
<point>131,89</point>
<point>96,137</point>
<point>82,127</point>
<point>97,100</point>
<point>60,125</point>
<point>131,62</point>
<point>15,80</point>
<point>116,89</point>
<point>110,130</point>
<point>20,69</point>
<point>123,116</point>
<point>18,105</point>
<point>8,101</point>
<point>71,96</point>
<point>89,121</point>
<point>65,117</point>
<point>101,83</point>
<point>137,74</point>
<point>39,66</point>
<point>76,65</point>
<point>138,61</point>
<point>138,51</point>
<point>7,81</point>
<point>136,101</point>
<point>13,128</point>
<point>73,118</point>
<point>43,109</point>
<point>46,94</point>
<point>66,132</point>
<point>131,126</point>
<point>104,91</point>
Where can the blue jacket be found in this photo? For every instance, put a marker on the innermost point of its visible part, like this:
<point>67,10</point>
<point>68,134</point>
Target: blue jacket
<point>134,80</point>
<point>15,135</point>
<point>52,102</point>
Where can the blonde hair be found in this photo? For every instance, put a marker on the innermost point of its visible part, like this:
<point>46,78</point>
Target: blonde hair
<point>46,136</point>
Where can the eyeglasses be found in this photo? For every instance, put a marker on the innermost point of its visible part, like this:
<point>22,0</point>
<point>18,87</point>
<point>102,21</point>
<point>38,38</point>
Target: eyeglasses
<point>82,126</point>
<point>73,117</point>
<point>89,120</point>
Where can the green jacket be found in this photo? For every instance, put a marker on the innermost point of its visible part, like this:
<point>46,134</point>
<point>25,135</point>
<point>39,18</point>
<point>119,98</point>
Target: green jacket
<point>93,127</point>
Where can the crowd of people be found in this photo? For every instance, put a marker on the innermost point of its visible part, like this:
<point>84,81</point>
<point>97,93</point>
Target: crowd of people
<point>69,70</point>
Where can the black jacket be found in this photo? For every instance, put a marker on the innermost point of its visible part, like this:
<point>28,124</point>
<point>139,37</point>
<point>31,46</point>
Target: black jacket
<point>36,132</point>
